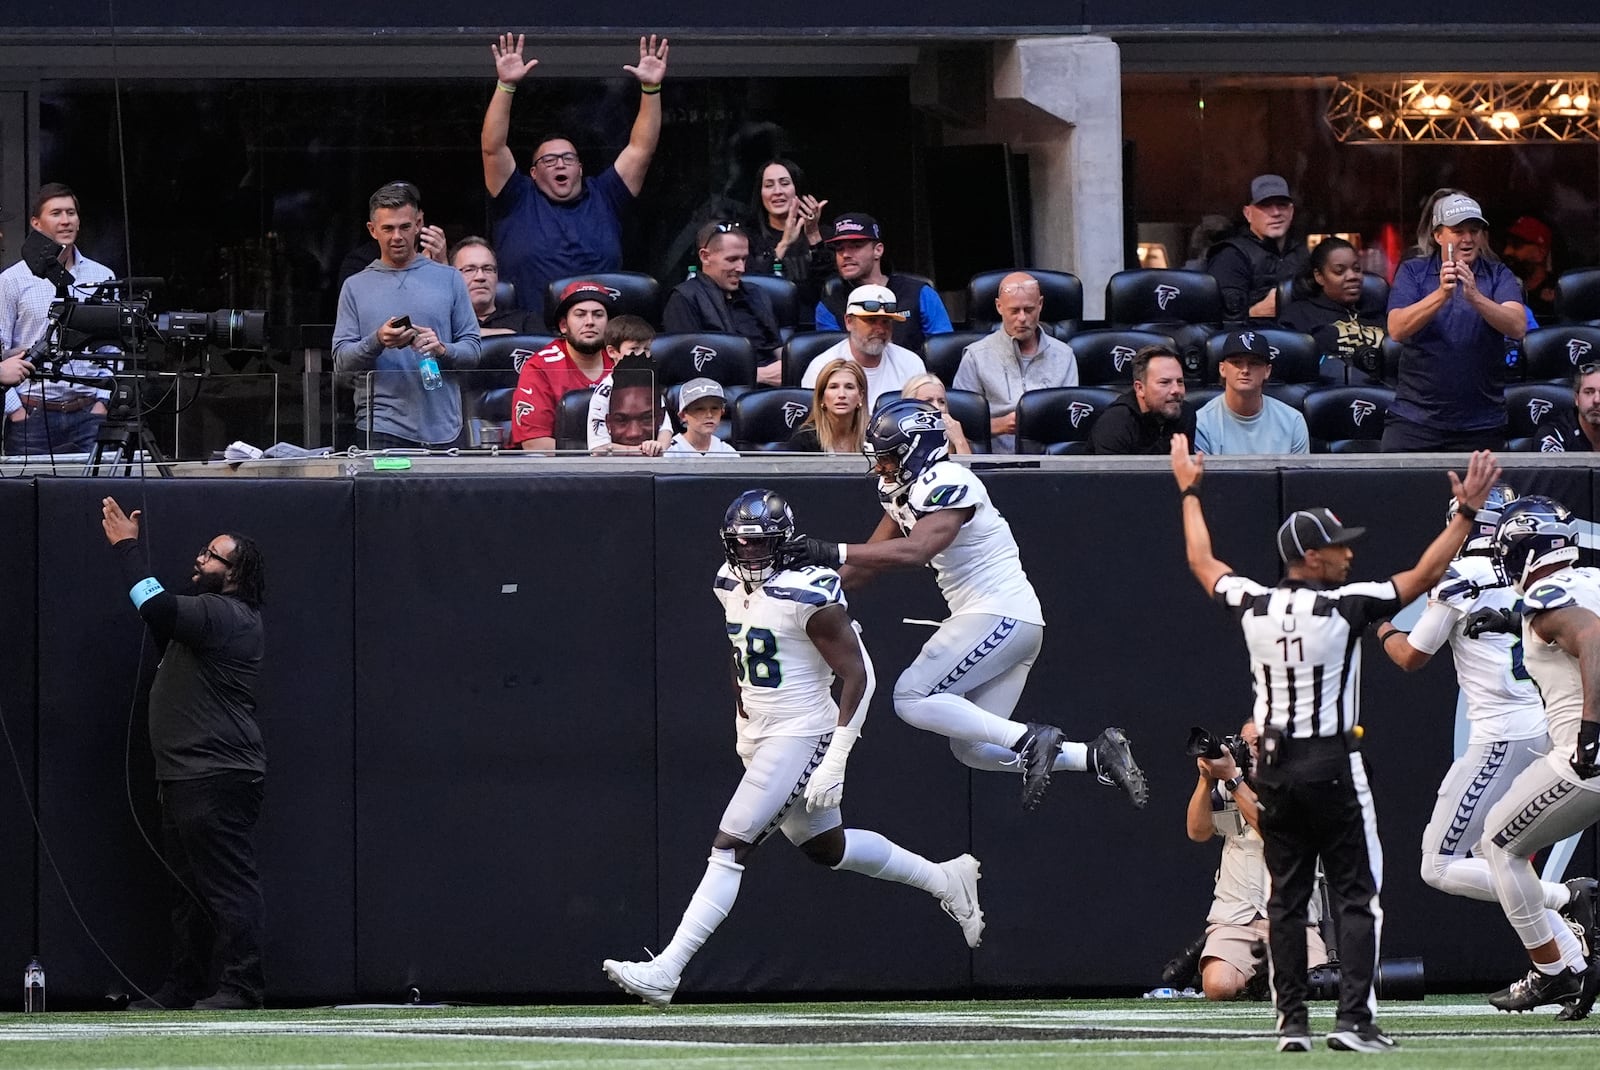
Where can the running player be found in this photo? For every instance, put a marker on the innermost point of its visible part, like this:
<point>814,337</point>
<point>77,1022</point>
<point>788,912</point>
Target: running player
<point>792,636</point>
<point>969,676</point>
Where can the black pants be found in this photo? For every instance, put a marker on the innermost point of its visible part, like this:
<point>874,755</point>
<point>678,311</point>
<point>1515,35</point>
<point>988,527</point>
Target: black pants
<point>205,838</point>
<point>1402,437</point>
<point>1317,804</point>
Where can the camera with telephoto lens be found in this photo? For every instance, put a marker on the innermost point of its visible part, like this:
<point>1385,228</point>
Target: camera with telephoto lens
<point>1204,744</point>
<point>1400,979</point>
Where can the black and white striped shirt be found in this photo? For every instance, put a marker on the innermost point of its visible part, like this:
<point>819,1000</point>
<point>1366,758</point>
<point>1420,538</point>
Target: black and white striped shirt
<point>1305,649</point>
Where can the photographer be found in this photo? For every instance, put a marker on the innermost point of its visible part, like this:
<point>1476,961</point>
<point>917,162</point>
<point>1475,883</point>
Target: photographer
<point>210,762</point>
<point>1224,804</point>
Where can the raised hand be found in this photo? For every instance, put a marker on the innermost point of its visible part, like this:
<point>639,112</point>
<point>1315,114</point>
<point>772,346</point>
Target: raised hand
<point>811,215</point>
<point>1483,472</point>
<point>1189,469</point>
<point>508,64</point>
<point>652,66</point>
<point>116,524</point>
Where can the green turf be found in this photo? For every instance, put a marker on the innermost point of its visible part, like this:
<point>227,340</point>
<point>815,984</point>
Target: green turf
<point>1451,1033</point>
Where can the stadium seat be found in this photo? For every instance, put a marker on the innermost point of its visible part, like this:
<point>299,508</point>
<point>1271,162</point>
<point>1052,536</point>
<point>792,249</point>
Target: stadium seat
<point>1347,419</point>
<point>635,294</point>
<point>803,348</point>
<point>572,420</point>
<point>784,294</point>
<point>1058,419</point>
<point>505,295</point>
<point>765,419</point>
<point>1296,364</point>
<point>1106,357</point>
<point>1578,295</point>
<point>1527,406</point>
<point>971,411</point>
<point>486,392</point>
<point>1061,290</point>
<point>1554,353</point>
<point>1374,300</point>
<point>1199,395</point>
<point>506,352</point>
<point>942,353</point>
<point>727,358</point>
<point>1149,295</point>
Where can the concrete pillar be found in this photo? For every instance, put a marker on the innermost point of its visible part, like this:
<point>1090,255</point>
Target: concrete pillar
<point>1059,99</point>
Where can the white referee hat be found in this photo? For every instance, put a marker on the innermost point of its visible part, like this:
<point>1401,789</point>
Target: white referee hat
<point>1313,529</point>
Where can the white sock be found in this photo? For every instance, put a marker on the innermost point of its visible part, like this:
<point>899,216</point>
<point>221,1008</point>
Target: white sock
<point>1556,896</point>
<point>1571,950</point>
<point>873,855</point>
<point>710,904</point>
<point>957,718</point>
<point>1074,758</point>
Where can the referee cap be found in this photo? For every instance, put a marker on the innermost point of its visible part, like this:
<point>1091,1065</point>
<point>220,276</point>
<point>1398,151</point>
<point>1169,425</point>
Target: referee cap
<point>1312,529</point>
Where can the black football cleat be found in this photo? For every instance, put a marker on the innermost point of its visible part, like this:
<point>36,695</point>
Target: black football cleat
<point>1037,751</point>
<point>1538,989</point>
<point>1111,759</point>
<point>1581,893</point>
<point>1578,1008</point>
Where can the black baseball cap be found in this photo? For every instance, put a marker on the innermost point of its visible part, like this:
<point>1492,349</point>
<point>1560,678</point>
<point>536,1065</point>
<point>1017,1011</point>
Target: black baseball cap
<point>585,290</point>
<point>854,226</point>
<point>1313,529</point>
<point>1246,344</point>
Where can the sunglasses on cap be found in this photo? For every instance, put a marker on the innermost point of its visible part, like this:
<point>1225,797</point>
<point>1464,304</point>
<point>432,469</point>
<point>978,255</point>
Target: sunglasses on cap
<point>875,306</point>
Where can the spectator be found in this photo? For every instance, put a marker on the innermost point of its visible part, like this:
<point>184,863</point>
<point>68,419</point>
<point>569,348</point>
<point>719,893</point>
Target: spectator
<point>431,243</point>
<point>838,420</point>
<point>550,222</point>
<point>1019,356</point>
<point>49,416</point>
<point>857,247</point>
<point>929,387</point>
<point>406,318</point>
<point>575,361</point>
<point>1249,266</point>
<point>787,230</point>
<point>1577,431</point>
<point>626,336</point>
<point>1243,419</point>
<point>1527,254</point>
<point>716,299</point>
<point>1144,419</point>
<point>870,319</point>
<point>1453,306</point>
<point>636,409</point>
<point>475,259</point>
<point>1327,306</point>
<point>701,404</point>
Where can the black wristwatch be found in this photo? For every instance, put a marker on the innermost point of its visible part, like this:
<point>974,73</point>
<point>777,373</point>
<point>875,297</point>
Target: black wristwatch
<point>1233,783</point>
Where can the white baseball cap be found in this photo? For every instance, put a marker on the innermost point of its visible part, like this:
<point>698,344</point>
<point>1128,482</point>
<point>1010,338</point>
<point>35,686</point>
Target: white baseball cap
<point>874,301</point>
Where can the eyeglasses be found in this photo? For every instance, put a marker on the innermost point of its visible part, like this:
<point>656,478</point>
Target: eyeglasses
<point>478,269</point>
<point>208,554</point>
<point>873,306</point>
<point>729,228</point>
<point>550,159</point>
<point>1588,369</point>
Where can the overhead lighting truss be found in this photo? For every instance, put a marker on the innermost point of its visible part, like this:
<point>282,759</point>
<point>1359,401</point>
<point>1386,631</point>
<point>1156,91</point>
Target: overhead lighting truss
<point>1461,111</point>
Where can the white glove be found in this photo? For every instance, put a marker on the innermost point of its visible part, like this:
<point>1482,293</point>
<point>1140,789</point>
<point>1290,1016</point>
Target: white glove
<point>825,789</point>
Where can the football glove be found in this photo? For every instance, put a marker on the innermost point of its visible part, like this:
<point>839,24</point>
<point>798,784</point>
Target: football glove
<point>803,550</point>
<point>1584,758</point>
<point>1483,621</point>
<point>825,789</point>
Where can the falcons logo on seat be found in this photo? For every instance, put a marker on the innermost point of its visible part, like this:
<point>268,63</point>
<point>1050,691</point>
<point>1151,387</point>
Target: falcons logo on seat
<point>1577,349</point>
<point>1360,409</point>
<point>519,357</point>
<point>1120,355</point>
<point>701,354</point>
<point>1078,412</point>
<point>794,412</point>
<point>1537,408</point>
<point>1165,293</point>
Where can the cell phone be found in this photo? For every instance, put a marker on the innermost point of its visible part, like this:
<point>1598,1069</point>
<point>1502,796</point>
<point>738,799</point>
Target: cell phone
<point>402,323</point>
<point>1450,251</point>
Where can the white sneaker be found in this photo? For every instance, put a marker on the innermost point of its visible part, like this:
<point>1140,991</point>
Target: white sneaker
<point>649,981</point>
<point>961,901</point>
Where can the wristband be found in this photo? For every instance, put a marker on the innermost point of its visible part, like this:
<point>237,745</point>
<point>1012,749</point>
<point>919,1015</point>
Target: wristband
<point>505,87</point>
<point>1467,511</point>
<point>1189,492</point>
<point>844,552</point>
<point>144,590</point>
<point>649,89</point>
<point>1390,634</point>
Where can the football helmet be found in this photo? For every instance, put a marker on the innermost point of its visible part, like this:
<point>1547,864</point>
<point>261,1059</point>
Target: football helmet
<point>754,529</point>
<point>1480,540</point>
<point>1533,532</point>
<point>904,439</point>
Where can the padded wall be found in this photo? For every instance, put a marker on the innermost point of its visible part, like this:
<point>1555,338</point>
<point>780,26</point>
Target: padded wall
<point>18,631</point>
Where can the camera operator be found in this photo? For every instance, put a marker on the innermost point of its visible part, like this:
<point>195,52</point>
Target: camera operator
<point>210,763</point>
<point>49,416</point>
<point>13,368</point>
<point>1224,804</point>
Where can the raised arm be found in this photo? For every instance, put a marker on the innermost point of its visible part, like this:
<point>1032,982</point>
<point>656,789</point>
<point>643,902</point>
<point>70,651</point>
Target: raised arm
<point>1189,469</point>
<point>634,161</point>
<point>509,69</point>
<point>1482,473</point>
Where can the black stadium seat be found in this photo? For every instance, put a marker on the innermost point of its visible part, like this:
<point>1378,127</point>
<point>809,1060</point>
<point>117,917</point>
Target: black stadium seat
<point>727,358</point>
<point>572,420</point>
<point>486,393</point>
<point>506,352</point>
<point>635,294</point>
<point>785,297</point>
<point>1150,295</point>
<point>971,411</point>
<point>765,419</point>
<point>1106,357</point>
<point>1061,290</point>
<point>803,348</point>
<point>505,295</point>
<point>1527,406</point>
<point>1556,352</point>
<point>1058,419</point>
<point>1347,419</point>
<point>1578,295</point>
<point>942,353</point>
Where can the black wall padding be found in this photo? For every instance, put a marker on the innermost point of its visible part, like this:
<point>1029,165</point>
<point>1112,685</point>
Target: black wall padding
<point>17,705</point>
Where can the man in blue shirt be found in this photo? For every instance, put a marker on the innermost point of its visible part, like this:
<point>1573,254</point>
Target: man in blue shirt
<point>1243,418</point>
<point>550,222</point>
<point>857,244</point>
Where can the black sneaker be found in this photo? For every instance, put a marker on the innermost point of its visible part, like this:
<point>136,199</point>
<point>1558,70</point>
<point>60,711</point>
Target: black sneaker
<point>1538,989</point>
<point>1111,758</point>
<point>1294,1042</point>
<point>1580,908</point>
<point>1037,750</point>
<point>1366,1038</point>
<point>226,999</point>
<point>1576,1010</point>
<point>165,998</point>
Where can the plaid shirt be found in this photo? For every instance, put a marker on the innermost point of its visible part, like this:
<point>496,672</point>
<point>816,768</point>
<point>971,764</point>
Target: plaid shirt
<point>25,313</point>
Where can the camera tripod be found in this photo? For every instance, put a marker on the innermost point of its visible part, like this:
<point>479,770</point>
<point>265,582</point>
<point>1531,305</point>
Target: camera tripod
<point>119,441</point>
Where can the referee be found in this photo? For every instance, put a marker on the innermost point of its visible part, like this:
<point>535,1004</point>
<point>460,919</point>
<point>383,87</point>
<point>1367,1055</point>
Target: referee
<point>1304,638</point>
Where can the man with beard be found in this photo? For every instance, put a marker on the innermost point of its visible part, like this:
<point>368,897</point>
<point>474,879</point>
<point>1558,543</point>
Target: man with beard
<point>1577,431</point>
<point>1249,266</point>
<point>480,270</point>
<point>857,244</point>
<point>577,360</point>
<point>871,316</point>
<point>210,763</point>
<point>1144,419</point>
<point>1527,254</point>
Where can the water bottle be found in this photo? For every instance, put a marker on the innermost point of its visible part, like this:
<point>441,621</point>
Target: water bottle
<point>33,987</point>
<point>777,267</point>
<point>694,269</point>
<point>431,379</point>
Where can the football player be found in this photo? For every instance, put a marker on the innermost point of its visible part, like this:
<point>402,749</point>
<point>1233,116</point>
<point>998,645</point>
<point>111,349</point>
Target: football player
<point>792,637</point>
<point>970,674</point>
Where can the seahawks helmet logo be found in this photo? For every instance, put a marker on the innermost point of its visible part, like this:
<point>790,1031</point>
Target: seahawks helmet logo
<point>794,412</point>
<point>1120,355</point>
<point>1165,293</point>
<point>700,355</point>
<point>1537,407</point>
<point>921,420</point>
<point>519,357</point>
<point>1577,349</point>
<point>1360,409</point>
<point>1079,411</point>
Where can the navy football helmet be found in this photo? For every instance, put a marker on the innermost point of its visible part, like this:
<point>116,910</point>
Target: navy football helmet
<point>904,439</point>
<point>1480,540</point>
<point>754,529</point>
<point>1534,532</point>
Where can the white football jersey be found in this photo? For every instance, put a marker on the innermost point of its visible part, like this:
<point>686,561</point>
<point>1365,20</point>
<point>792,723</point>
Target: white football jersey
<point>1556,671</point>
<point>981,571</point>
<point>784,681</point>
<point>1502,701</point>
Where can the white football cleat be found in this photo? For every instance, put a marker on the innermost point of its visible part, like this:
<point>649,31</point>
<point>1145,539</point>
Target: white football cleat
<point>961,901</point>
<point>649,981</point>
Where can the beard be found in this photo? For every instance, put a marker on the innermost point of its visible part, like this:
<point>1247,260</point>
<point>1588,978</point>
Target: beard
<point>585,348</point>
<point>209,582</point>
<point>873,347</point>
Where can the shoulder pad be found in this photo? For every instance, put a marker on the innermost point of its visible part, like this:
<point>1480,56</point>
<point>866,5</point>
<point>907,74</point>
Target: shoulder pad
<point>1549,595</point>
<point>946,486</point>
<point>811,586</point>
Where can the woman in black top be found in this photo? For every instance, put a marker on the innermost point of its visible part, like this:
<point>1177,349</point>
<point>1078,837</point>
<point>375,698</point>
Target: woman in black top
<point>1326,306</point>
<point>786,228</point>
